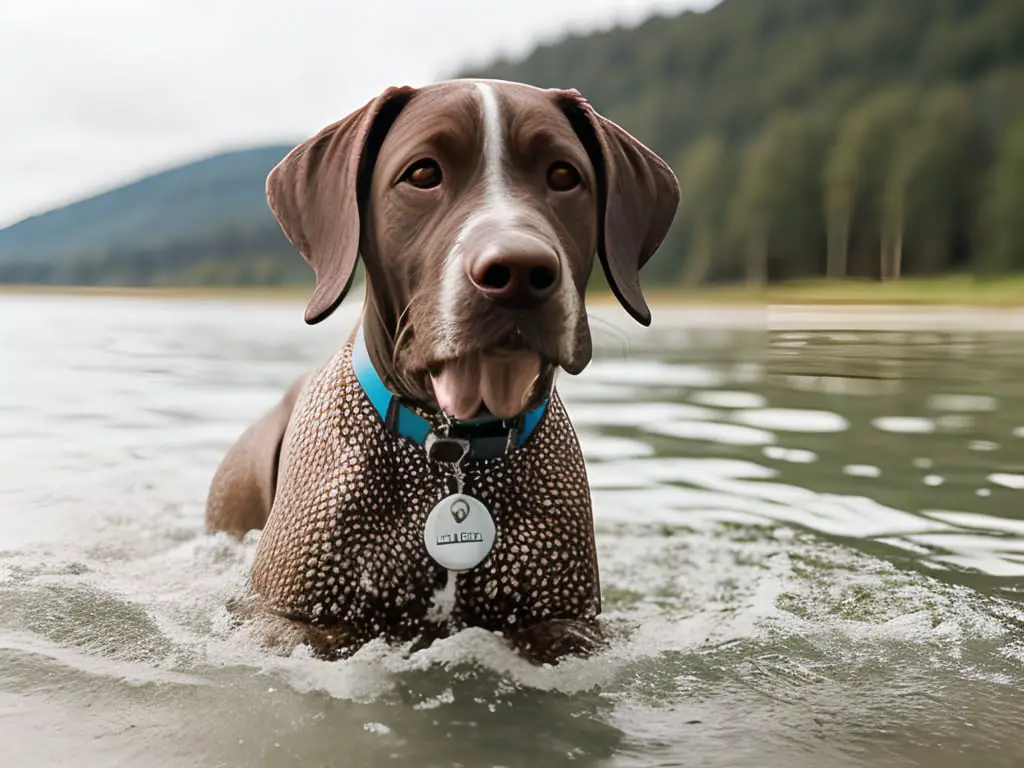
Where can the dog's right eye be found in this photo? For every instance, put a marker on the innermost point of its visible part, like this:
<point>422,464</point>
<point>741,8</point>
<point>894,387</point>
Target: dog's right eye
<point>423,174</point>
<point>563,177</point>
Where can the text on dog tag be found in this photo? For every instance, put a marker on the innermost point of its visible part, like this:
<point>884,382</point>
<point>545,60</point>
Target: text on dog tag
<point>459,532</point>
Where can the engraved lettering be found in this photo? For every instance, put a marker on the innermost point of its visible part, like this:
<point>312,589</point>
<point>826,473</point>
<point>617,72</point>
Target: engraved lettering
<point>464,537</point>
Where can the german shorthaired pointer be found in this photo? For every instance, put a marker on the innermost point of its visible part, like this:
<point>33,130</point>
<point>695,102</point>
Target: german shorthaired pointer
<point>426,478</point>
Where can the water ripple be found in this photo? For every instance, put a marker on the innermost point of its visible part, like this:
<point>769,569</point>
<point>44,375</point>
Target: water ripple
<point>811,547</point>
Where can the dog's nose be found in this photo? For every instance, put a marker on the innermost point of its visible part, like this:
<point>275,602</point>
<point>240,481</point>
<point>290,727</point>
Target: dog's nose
<point>519,278</point>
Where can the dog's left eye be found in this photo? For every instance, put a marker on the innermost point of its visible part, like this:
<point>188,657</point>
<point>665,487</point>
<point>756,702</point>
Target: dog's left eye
<point>563,177</point>
<point>423,174</point>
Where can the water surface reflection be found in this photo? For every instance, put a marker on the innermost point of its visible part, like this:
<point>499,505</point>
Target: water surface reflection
<point>812,551</point>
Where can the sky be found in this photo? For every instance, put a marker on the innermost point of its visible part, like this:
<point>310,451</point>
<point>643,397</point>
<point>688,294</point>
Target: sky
<point>99,93</point>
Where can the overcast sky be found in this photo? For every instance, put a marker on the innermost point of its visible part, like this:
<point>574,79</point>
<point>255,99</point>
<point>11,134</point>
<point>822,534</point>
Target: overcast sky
<point>99,92</point>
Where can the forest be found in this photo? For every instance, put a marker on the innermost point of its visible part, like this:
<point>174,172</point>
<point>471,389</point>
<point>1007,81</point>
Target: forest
<point>861,138</point>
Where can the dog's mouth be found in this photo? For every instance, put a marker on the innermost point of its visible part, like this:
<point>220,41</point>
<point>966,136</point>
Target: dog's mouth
<point>495,382</point>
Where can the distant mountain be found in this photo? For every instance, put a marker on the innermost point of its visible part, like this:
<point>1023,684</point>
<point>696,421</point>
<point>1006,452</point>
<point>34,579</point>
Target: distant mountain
<point>165,228</point>
<point>847,137</point>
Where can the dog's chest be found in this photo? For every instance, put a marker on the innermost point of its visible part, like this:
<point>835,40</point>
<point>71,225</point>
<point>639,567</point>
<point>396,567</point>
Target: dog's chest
<point>344,546</point>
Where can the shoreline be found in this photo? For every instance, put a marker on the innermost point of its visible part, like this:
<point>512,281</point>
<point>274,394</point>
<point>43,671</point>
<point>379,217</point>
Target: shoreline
<point>933,293</point>
<point>767,313</point>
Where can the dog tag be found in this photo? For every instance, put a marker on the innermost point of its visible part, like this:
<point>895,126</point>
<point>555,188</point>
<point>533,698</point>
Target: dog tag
<point>459,532</point>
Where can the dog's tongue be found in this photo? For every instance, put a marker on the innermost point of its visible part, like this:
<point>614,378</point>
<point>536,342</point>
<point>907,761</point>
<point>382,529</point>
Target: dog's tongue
<point>500,381</point>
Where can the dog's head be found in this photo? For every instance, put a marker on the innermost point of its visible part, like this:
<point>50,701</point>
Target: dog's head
<point>478,207</point>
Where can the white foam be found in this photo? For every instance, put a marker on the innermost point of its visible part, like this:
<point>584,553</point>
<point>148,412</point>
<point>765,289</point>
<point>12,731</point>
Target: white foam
<point>634,414</point>
<point>862,470</point>
<point>603,448</point>
<point>978,521</point>
<point>713,432</point>
<point>792,455</point>
<point>1007,480</point>
<point>984,446</point>
<point>444,599</point>
<point>129,672</point>
<point>904,425</point>
<point>794,420</point>
<point>655,373</point>
<point>720,398</point>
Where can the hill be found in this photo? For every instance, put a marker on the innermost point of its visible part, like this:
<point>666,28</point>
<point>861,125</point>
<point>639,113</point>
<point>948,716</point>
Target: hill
<point>203,222</point>
<point>848,137</point>
<point>840,137</point>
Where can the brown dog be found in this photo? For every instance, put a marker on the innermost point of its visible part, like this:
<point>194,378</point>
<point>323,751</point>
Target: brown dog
<point>426,478</point>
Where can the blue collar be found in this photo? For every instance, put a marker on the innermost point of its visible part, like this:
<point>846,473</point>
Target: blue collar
<point>483,438</point>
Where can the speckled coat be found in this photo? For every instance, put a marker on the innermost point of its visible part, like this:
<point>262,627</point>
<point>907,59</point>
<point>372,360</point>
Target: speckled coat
<point>343,548</point>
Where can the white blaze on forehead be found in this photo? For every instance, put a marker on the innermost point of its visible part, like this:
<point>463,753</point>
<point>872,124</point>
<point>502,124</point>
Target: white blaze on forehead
<point>497,203</point>
<point>496,195</point>
<point>498,209</point>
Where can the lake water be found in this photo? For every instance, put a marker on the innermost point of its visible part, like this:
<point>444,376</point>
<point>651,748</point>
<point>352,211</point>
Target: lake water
<point>811,542</point>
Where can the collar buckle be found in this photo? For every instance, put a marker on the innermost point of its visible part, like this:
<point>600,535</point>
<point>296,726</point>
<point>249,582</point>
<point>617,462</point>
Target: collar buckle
<point>450,441</point>
<point>513,437</point>
<point>446,449</point>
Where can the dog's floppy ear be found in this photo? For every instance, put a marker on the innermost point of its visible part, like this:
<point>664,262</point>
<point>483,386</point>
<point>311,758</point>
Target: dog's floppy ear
<point>638,195</point>
<point>317,191</point>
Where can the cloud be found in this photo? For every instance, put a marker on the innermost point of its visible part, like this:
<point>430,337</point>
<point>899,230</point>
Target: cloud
<point>108,90</point>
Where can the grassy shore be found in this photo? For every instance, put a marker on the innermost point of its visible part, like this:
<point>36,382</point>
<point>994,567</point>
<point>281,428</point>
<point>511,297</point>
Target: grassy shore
<point>937,292</point>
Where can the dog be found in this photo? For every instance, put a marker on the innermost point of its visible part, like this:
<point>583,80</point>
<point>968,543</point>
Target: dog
<point>426,478</point>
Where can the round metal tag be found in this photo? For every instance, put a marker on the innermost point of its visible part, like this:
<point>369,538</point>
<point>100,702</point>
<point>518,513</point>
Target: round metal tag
<point>459,532</point>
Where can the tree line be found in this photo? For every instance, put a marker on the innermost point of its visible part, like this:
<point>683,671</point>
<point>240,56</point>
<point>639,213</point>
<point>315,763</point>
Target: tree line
<point>862,138</point>
<point>907,182</point>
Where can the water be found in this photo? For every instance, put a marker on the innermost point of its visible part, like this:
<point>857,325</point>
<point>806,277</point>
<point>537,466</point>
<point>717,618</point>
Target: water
<point>811,543</point>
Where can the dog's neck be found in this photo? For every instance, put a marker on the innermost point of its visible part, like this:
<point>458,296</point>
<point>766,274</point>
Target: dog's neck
<point>380,343</point>
<point>487,437</point>
<point>443,438</point>
<point>379,323</point>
